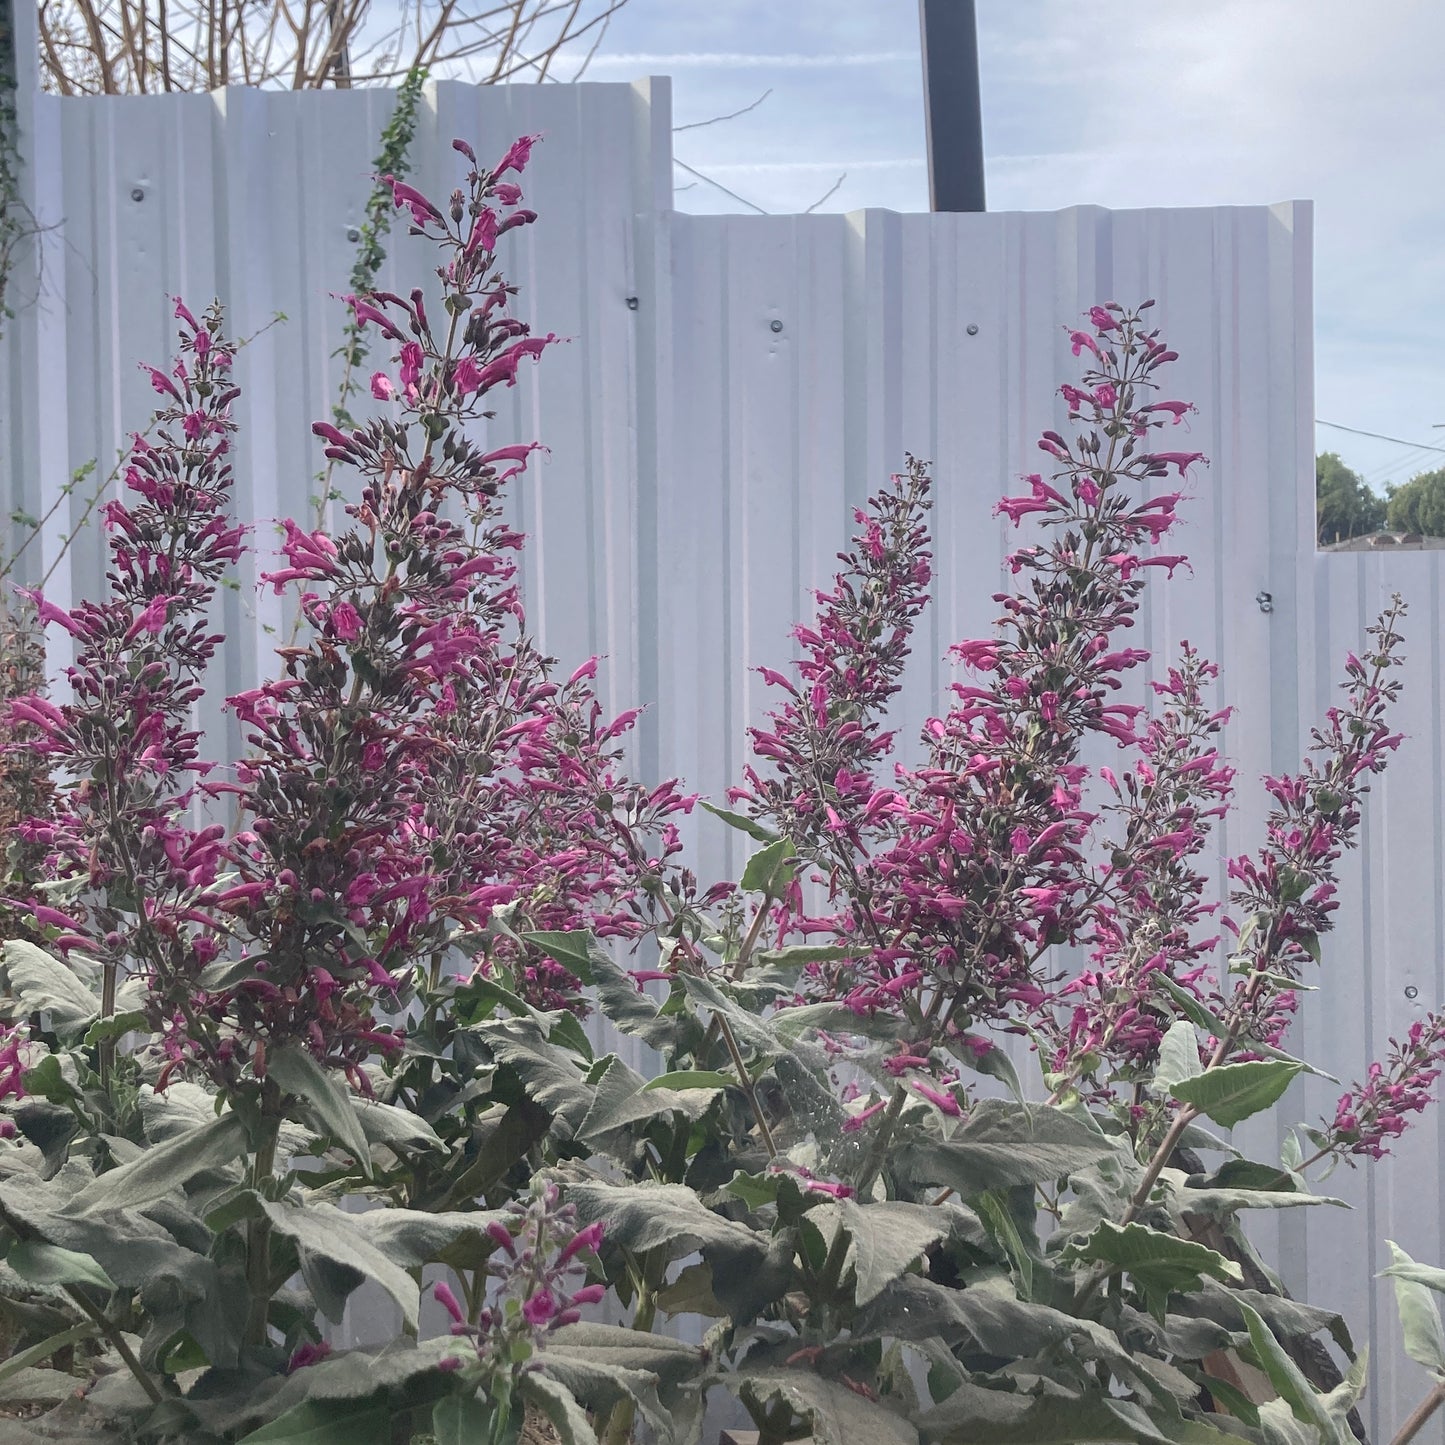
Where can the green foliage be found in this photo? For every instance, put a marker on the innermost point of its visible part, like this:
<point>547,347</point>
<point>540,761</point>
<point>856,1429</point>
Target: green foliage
<point>1344,506</point>
<point>1419,505</point>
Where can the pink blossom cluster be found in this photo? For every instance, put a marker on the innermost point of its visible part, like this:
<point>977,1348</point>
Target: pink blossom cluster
<point>1286,892</point>
<point>954,882</point>
<point>416,771</point>
<point>824,743</point>
<point>541,1256</point>
<point>141,879</point>
<point>1151,897</point>
<point>1372,1112</point>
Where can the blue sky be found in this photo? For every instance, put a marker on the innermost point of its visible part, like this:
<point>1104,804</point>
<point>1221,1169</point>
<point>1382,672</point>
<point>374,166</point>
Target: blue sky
<point>1173,103</point>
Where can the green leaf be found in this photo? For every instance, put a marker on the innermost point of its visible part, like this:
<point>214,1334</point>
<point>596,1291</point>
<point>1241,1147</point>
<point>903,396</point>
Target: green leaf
<point>1159,1264</point>
<point>1003,1144</point>
<point>1178,1056</point>
<point>47,1347</point>
<point>1419,1315</point>
<point>1235,1092</point>
<point>993,1210</point>
<point>796,954</point>
<point>884,1240</point>
<point>165,1167</point>
<point>690,1079</point>
<point>572,950</point>
<point>48,1264</point>
<point>770,869</point>
<point>401,1130</point>
<point>1294,1389</point>
<point>838,1415</point>
<point>1190,1006</point>
<point>743,824</point>
<point>1426,1274</point>
<point>330,1422</point>
<point>295,1069</point>
<point>558,1404</point>
<point>666,1217</point>
<point>625,1099</point>
<point>332,1234</point>
<point>461,1420</point>
<point>113,1027</point>
<point>42,984</point>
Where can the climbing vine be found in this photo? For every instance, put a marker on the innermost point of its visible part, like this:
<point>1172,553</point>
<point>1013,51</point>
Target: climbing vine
<point>391,160</point>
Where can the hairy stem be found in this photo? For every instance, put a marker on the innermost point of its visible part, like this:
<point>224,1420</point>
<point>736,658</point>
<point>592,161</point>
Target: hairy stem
<point>258,1240</point>
<point>117,1341</point>
<point>1420,1415</point>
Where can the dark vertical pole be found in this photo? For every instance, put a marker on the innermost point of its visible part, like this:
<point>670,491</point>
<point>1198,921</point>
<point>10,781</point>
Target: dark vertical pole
<point>952,113</point>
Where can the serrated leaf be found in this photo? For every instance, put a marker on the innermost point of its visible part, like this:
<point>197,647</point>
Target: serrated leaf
<point>770,869</point>
<point>1159,1264</point>
<point>1178,1056</point>
<point>332,1422</point>
<point>1001,1145</point>
<point>165,1167</point>
<point>743,824</point>
<point>838,1415</point>
<point>666,1217</point>
<point>296,1070</point>
<point>884,1239</point>
<point>401,1130</point>
<point>572,950</point>
<point>42,984</point>
<point>1235,1092</point>
<point>48,1264</point>
<point>331,1234</point>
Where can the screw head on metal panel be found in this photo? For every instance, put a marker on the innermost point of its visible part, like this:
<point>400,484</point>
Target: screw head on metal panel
<point>1411,991</point>
<point>972,328</point>
<point>633,303</point>
<point>137,193</point>
<point>775,326</point>
<point>353,233</point>
<point>1265,600</point>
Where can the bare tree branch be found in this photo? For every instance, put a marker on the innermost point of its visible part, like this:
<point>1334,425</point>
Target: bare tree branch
<point>112,47</point>
<point>718,119</point>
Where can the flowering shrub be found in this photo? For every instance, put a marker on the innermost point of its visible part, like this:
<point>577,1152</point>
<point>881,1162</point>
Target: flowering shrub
<point>368,988</point>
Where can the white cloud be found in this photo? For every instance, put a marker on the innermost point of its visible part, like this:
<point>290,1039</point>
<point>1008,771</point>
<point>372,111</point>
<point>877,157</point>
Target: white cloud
<point>739,60</point>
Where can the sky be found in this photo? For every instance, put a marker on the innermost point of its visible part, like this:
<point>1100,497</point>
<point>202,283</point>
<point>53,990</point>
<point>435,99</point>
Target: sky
<point>1122,104</point>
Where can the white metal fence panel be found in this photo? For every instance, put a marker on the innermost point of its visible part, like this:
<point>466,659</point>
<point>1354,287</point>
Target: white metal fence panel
<point>731,388</point>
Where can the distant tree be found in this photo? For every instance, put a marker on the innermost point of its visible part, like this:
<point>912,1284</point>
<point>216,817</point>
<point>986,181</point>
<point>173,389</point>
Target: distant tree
<point>1344,506</point>
<point>1419,505</point>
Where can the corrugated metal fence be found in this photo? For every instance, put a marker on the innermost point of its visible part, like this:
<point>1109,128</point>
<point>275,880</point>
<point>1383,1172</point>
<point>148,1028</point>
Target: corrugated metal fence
<point>732,387</point>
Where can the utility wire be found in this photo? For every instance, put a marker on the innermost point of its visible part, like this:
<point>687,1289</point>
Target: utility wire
<point>1379,436</point>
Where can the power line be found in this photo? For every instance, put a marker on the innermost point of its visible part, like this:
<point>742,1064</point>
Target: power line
<point>1380,436</point>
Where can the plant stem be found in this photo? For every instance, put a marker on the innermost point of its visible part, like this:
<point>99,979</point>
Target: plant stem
<point>1422,1412</point>
<point>745,1082</point>
<point>873,1162</point>
<point>117,1340</point>
<point>258,1240</point>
